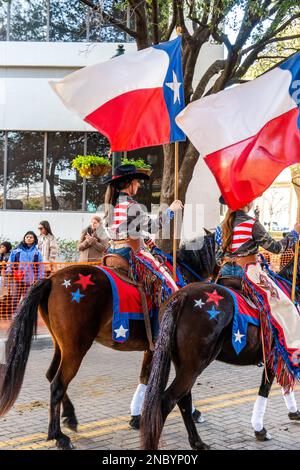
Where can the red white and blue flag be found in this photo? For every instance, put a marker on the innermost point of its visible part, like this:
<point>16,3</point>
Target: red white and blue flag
<point>133,99</point>
<point>249,133</point>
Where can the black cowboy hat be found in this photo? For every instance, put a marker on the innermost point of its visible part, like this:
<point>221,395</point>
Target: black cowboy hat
<point>222,200</point>
<point>124,173</point>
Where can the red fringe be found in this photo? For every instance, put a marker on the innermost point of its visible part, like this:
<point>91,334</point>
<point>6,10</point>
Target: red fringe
<point>273,358</point>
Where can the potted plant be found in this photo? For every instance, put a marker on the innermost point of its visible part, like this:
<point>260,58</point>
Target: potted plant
<point>91,165</point>
<point>140,165</point>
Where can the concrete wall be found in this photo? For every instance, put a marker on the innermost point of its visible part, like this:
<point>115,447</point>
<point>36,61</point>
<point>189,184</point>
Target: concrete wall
<point>65,225</point>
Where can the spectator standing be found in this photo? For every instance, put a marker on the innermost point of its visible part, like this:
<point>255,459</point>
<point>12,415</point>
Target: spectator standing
<point>47,243</point>
<point>5,249</point>
<point>25,266</point>
<point>93,241</point>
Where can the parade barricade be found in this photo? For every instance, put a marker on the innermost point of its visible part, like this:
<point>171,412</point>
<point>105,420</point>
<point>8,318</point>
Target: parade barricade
<point>16,279</point>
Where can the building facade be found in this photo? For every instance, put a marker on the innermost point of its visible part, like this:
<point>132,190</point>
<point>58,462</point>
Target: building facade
<point>48,39</point>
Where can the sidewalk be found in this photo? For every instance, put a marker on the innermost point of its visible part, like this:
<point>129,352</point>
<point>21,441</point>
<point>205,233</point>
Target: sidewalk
<point>101,393</point>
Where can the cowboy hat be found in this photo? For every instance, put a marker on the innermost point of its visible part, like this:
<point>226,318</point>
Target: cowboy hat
<point>124,173</point>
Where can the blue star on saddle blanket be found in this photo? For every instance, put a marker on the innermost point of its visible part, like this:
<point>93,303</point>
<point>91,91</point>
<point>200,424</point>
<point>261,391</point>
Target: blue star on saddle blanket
<point>126,306</point>
<point>244,313</point>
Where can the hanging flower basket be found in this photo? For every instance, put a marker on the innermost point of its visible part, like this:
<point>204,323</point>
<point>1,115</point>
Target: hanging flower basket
<point>91,165</point>
<point>139,164</point>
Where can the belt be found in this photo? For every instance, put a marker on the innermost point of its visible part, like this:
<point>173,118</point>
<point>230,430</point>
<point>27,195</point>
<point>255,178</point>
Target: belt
<point>134,244</point>
<point>240,260</point>
<point>117,244</point>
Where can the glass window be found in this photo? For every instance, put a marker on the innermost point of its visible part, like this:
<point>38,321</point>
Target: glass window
<point>25,170</point>
<point>67,20</point>
<point>101,31</point>
<point>1,167</point>
<point>98,145</point>
<point>28,20</point>
<point>64,185</point>
<point>149,194</point>
<point>3,19</point>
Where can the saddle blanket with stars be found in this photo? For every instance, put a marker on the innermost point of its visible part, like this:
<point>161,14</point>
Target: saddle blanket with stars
<point>126,306</point>
<point>244,313</point>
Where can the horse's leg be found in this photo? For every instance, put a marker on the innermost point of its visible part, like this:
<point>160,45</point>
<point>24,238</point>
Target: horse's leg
<point>260,405</point>
<point>68,368</point>
<point>68,413</point>
<point>179,392</point>
<point>185,406</point>
<point>291,404</point>
<point>138,397</point>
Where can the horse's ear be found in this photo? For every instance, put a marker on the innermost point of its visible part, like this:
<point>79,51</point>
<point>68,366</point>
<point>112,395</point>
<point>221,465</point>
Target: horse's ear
<point>207,232</point>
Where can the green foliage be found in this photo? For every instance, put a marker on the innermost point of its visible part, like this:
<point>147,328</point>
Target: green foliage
<point>140,163</point>
<point>67,250</point>
<point>87,161</point>
<point>91,165</point>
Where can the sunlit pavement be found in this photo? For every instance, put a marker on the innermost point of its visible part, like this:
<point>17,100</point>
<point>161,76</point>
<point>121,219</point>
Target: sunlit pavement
<point>101,393</point>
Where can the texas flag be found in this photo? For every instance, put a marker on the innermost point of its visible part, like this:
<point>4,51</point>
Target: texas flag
<point>133,99</point>
<point>249,133</point>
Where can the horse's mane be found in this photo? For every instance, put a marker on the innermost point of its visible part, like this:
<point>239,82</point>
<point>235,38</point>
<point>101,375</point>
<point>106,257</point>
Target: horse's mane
<point>199,254</point>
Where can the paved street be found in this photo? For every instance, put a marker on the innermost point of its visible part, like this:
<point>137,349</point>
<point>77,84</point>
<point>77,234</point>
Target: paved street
<point>102,391</point>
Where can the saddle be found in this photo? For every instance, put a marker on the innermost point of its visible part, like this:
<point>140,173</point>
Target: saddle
<point>120,266</point>
<point>231,281</point>
<point>116,262</point>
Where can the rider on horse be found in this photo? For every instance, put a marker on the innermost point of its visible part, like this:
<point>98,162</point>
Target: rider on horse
<point>129,226</point>
<point>239,238</point>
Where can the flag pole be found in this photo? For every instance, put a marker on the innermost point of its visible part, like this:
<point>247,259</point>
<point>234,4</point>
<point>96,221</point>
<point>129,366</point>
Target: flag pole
<point>295,172</point>
<point>176,170</point>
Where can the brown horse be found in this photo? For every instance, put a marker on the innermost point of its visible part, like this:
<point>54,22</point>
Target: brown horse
<point>192,339</point>
<point>74,326</point>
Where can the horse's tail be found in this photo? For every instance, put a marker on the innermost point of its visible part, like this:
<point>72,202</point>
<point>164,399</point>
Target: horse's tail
<point>18,344</point>
<point>152,418</point>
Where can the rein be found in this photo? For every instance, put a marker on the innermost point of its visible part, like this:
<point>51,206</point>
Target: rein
<point>197,276</point>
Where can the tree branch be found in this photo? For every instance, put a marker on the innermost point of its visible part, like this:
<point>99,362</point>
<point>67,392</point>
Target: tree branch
<point>155,22</point>
<point>173,21</point>
<point>222,38</point>
<point>214,69</point>
<point>110,19</point>
<point>270,36</point>
<point>180,11</point>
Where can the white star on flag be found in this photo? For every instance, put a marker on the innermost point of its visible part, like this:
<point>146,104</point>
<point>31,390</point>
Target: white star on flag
<point>121,332</point>
<point>238,336</point>
<point>175,86</point>
<point>66,283</point>
<point>199,303</point>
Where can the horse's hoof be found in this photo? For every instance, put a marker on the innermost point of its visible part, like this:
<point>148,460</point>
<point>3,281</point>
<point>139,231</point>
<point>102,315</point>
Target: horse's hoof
<point>135,422</point>
<point>64,443</point>
<point>262,435</point>
<point>200,446</point>
<point>294,416</point>
<point>71,423</point>
<point>197,416</point>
